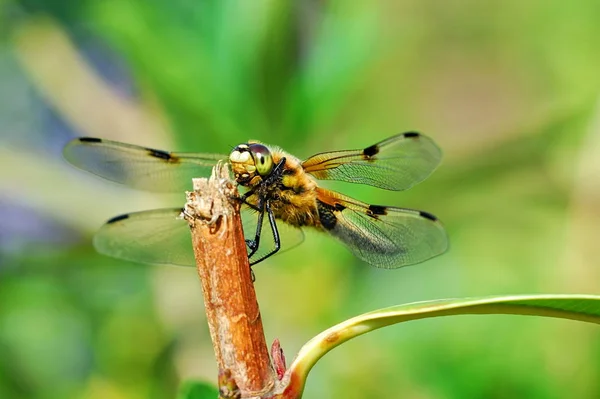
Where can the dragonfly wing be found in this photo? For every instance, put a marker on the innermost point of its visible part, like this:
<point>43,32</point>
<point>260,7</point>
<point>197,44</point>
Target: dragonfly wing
<point>289,235</point>
<point>157,236</point>
<point>139,167</point>
<point>383,236</point>
<point>396,163</point>
<point>161,236</point>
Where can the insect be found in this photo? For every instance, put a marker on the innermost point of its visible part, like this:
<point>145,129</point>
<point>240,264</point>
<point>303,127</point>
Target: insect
<point>281,197</point>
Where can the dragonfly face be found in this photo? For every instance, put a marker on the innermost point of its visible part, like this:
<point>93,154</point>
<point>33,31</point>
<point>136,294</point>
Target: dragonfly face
<point>249,161</point>
<point>282,196</point>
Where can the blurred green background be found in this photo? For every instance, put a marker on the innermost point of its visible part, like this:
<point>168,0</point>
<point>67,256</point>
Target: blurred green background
<point>509,89</point>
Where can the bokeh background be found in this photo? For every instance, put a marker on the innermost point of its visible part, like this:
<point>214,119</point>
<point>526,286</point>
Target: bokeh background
<point>509,89</point>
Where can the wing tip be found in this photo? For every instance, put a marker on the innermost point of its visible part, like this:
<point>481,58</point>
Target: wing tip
<point>71,149</point>
<point>118,218</point>
<point>411,134</point>
<point>88,140</point>
<point>429,216</point>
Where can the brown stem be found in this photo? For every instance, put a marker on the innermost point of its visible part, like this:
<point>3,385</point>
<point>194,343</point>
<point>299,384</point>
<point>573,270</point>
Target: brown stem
<point>231,306</point>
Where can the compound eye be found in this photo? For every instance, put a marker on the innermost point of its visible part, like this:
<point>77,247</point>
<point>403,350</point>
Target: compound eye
<point>262,159</point>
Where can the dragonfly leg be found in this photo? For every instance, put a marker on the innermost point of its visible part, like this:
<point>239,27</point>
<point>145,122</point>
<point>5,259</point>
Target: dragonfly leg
<point>253,244</point>
<point>244,199</point>
<point>275,232</point>
<point>276,173</point>
<point>260,208</point>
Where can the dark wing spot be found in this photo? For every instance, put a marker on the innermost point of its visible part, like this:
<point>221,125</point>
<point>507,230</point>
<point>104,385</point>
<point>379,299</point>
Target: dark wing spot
<point>411,134</point>
<point>377,210</point>
<point>428,215</point>
<point>371,151</point>
<point>326,215</point>
<point>339,207</point>
<point>90,140</point>
<point>161,155</point>
<point>118,219</point>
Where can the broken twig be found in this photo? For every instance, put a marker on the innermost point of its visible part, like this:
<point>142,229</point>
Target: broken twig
<point>232,311</point>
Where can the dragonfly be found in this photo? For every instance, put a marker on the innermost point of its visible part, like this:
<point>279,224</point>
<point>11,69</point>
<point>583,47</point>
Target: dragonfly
<point>281,197</point>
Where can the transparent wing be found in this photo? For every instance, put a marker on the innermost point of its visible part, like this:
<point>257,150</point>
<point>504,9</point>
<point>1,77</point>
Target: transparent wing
<point>397,163</point>
<point>160,236</point>
<point>383,236</point>
<point>289,235</point>
<point>139,167</point>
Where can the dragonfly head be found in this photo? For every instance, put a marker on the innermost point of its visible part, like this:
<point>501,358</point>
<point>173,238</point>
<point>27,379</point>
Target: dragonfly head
<point>250,160</point>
